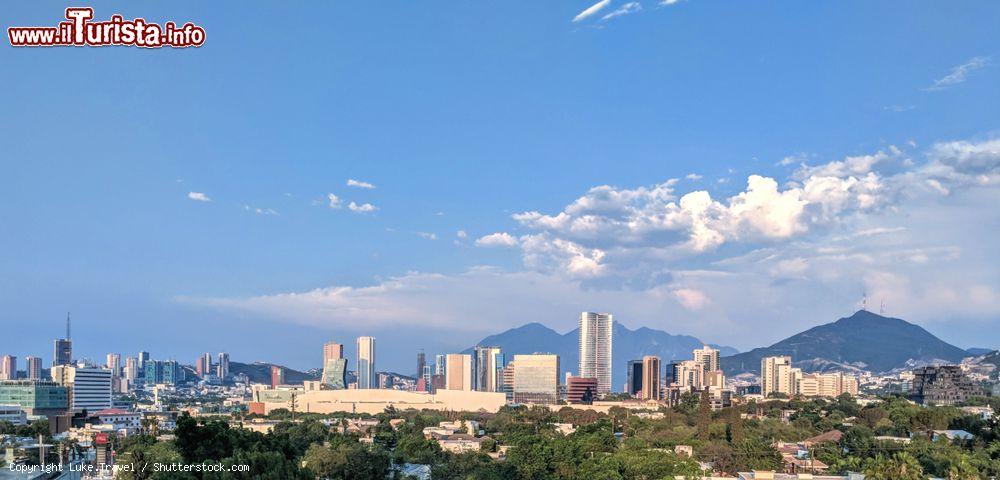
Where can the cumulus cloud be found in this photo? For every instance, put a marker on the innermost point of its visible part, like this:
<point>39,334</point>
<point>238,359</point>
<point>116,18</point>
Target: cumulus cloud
<point>959,74</point>
<point>427,235</point>
<point>794,251</point>
<point>501,239</point>
<point>625,9</point>
<point>591,10</point>
<point>334,201</point>
<point>461,234</point>
<point>359,184</point>
<point>199,197</point>
<point>362,208</point>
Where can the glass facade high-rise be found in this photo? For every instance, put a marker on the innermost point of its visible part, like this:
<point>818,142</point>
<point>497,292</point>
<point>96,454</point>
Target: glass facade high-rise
<point>366,363</point>
<point>62,352</point>
<point>633,384</point>
<point>536,378</point>
<point>222,368</point>
<point>35,397</point>
<point>487,366</point>
<point>596,331</point>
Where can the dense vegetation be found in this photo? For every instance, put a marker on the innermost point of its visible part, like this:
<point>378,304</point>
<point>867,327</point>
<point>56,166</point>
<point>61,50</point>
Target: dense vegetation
<point>619,445</point>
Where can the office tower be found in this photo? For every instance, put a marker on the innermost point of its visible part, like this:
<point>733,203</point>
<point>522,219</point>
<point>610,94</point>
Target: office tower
<point>131,368</point>
<point>168,372</point>
<point>708,357</point>
<point>487,364</point>
<point>334,366</point>
<point>536,378</point>
<point>688,374</point>
<point>633,385</point>
<point>8,367</point>
<point>222,369</point>
<point>715,378</point>
<point>581,390</point>
<point>650,377</point>
<point>143,359</point>
<point>277,376</point>
<point>33,367</point>
<point>114,363</point>
<point>89,387</point>
<point>332,350</point>
<point>63,352</point>
<point>421,361</point>
<point>458,372</point>
<point>507,374</point>
<point>427,376</point>
<point>439,365</point>
<point>35,397</point>
<point>204,366</point>
<point>778,376</point>
<point>596,331</point>
<point>366,363</point>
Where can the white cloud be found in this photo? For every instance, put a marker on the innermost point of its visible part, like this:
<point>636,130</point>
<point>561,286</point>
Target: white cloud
<point>199,197</point>
<point>693,176</point>
<point>260,211</point>
<point>960,73</point>
<point>591,10</point>
<point>334,201</point>
<point>359,184</point>
<point>690,298</point>
<point>362,208</point>
<point>427,235</point>
<point>625,9</point>
<point>501,239</point>
<point>791,254</point>
<point>669,2</point>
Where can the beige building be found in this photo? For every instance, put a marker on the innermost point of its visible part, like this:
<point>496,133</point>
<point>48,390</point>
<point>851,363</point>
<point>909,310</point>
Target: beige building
<point>827,385</point>
<point>708,357</point>
<point>375,401</point>
<point>536,378</point>
<point>650,378</point>
<point>778,376</point>
<point>458,372</point>
<point>715,378</point>
<point>689,373</point>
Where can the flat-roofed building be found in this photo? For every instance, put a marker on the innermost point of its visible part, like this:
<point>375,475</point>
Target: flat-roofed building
<point>536,378</point>
<point>458,373</point>
<point>581,390</point>
<point>650,378</point>
<point>35,397</point>
<point>89,387</point>
<point>374,401</point>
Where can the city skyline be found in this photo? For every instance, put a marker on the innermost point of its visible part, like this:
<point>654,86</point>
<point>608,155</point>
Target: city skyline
<point>683,168</point>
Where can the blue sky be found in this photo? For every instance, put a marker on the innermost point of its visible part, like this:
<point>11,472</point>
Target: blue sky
<point>877,122</point>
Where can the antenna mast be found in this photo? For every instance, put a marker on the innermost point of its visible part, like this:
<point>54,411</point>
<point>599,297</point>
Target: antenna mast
<point>881,310</point>
<point>67,325</point>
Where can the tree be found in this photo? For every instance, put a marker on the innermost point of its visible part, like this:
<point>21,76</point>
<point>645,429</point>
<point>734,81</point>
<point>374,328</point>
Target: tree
<point>901,466</point>
<point>704,416</point>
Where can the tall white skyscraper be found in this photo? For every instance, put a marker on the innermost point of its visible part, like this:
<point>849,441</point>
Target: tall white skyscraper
<point>596,330</point>
<point>366,363</point>
<point>89,387</point>
<point>131,368</point>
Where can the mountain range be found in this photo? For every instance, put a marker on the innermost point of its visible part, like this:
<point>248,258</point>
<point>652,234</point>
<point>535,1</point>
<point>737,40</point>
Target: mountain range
<point>627,345</point>
<point>864,341</point>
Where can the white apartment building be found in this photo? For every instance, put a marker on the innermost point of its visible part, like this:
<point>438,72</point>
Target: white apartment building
<point>596,332</point>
